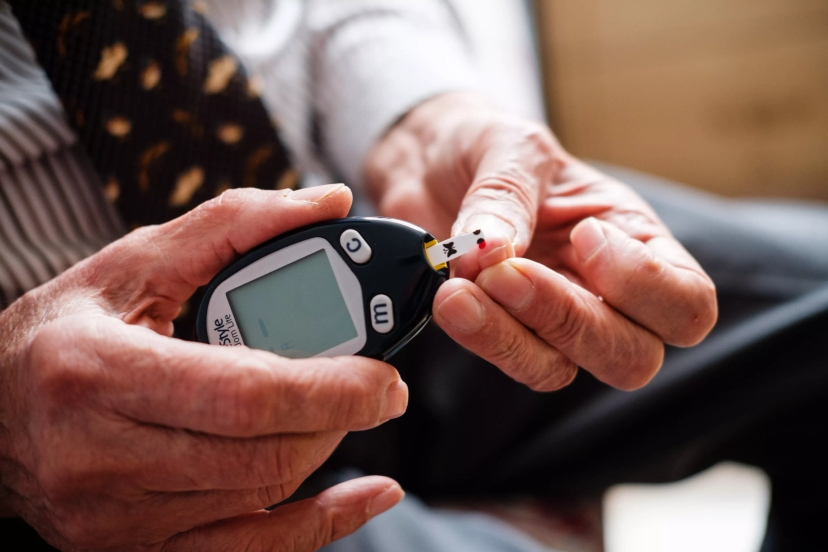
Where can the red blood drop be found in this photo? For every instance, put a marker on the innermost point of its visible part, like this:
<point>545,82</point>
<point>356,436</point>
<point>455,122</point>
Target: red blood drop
<point>481,245</point>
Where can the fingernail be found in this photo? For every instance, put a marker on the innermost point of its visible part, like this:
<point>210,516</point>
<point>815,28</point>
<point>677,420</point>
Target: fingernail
<point>386,500</point>
<point>507,285</point>
<point>492,226</point>
<point>588,237</point>
<point>396,400</point>
<point>315,194</point>
<point>463,311</point>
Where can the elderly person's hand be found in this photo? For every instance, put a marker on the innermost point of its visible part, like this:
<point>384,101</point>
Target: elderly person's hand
<point>115,435</point>
<point>601,284</point>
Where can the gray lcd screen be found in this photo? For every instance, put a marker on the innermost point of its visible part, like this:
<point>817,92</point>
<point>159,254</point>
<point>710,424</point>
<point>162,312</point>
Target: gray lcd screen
<point>296,311</point>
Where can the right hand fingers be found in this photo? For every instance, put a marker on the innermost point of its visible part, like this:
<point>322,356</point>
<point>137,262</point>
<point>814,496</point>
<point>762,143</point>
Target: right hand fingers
<point>300,527</point>
<point>476,322</point>
<point>234,392</point>
<point>575,322</point>
<point>558,327</point>
<point>654,282</point>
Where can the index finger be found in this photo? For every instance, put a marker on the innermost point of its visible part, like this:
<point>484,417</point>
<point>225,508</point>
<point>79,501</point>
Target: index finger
<point>238,392</point>
<point>511,164</point>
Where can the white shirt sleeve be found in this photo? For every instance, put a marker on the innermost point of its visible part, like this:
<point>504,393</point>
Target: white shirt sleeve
<point>337,74</point>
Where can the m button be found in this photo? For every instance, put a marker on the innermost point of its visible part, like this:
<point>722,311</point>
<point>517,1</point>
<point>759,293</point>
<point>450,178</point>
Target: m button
<point>382,314</point>
<point>355,246</point>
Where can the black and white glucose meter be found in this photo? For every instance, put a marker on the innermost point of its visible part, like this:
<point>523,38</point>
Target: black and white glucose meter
<point>355,286</point>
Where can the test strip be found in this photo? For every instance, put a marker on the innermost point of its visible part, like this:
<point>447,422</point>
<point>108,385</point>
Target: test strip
<point>440,253</point>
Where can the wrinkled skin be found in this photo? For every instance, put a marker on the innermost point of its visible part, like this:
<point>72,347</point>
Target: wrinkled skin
<point>116,436</point>
<point>578,269</point>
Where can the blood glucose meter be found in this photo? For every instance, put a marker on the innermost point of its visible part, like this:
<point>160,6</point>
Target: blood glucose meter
<point>359,286</point>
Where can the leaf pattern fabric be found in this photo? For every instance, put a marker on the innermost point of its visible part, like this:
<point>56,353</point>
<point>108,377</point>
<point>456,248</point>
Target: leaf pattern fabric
<point>166,112</point>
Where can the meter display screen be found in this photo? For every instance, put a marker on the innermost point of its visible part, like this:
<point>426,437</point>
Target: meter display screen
<point>296,311</point>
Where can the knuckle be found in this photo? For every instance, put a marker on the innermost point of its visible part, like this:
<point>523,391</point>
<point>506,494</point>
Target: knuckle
<point>350,405</point>
<point>283,542</point>
<point>273,494</point>
<point>338,528</point>
<point>125,248</point>
<point>65,470</point>
<point>649,268</point>
<point>220,210</point>
<point>537,145</point>
<point>245,405</point>
<point>112,270</point>
<point>330,526</point>
<point>290,461</point>
<point>507,185</point>
<point>357,400</point>
<point>540,138</point>
<point>537,378</point>
<point>84,527</point>
<point>225,205</point>
<point>520,178</point>
<point>136,240</point>
<point>58,373</point>
<point>140,236</point>
<point>511,353</point>
<point>321,532</point>
<point>365,398</point>
<point>256,543</point>
<point>562,325</point>
<point>109,264</point>
<point>559,376</point>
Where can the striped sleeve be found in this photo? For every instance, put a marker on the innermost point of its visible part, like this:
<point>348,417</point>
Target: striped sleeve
<point>53,212</point>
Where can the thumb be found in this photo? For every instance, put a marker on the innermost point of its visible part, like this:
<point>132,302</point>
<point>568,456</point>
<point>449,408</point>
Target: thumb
<point>175,258</point>
<point>299,527</point>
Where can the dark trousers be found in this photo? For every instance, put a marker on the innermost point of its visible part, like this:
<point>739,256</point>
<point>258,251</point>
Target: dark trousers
<point>755,391</point>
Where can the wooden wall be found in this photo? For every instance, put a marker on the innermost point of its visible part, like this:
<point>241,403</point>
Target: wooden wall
<point>727,95</point>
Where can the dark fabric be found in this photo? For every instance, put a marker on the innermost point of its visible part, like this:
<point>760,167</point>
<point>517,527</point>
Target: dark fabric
<point>165,111</point>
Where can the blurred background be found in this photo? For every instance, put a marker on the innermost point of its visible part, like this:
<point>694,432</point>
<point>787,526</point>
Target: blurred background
<point>726,95</point>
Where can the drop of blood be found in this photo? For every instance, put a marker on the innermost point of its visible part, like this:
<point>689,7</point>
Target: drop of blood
<point>481,244</point>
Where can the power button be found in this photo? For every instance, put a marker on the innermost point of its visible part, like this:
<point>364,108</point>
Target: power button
<point>355,246</point>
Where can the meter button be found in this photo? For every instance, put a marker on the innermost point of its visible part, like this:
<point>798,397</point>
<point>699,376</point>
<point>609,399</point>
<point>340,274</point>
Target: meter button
<point>382,314</point>
<point>356,247</point>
